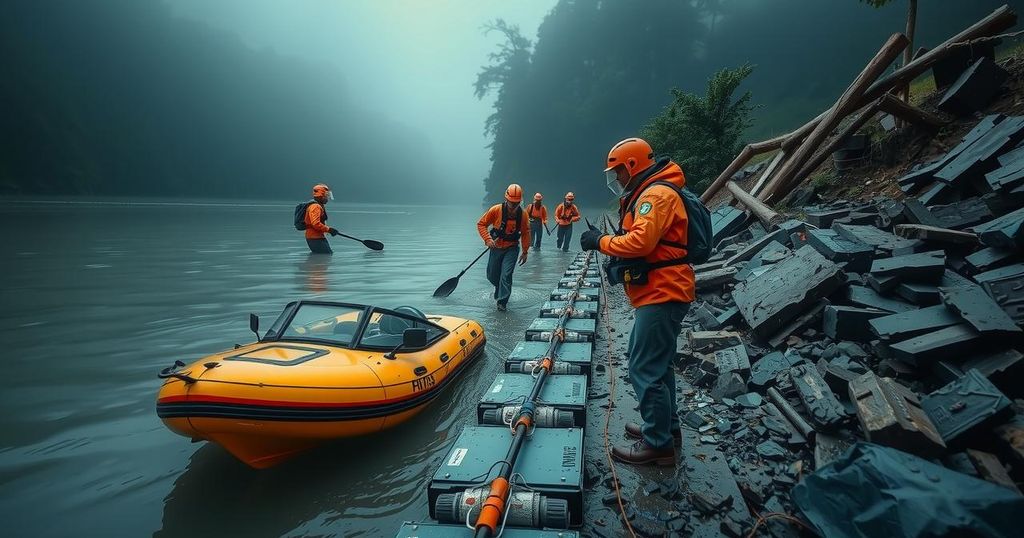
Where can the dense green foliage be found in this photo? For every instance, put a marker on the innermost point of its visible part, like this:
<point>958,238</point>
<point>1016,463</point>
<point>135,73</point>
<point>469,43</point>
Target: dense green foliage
<point>702,133</point>
<point>121,97</point>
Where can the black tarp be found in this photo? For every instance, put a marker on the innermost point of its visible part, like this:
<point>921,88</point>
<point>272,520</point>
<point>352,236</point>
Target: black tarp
<point>872,491</point>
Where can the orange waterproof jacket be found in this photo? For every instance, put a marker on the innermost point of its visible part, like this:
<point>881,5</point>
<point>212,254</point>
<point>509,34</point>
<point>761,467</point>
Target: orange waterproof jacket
<point>492,219</point>
<point>658,217</point>
<point>315,217</point>
<point>534,213</point>
<point>565,216</point>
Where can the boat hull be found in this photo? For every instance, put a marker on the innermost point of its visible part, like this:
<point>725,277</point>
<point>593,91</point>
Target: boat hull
<point>263,421</point>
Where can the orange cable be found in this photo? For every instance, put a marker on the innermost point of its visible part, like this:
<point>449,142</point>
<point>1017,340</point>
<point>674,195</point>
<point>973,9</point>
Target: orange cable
<point>611,404</point>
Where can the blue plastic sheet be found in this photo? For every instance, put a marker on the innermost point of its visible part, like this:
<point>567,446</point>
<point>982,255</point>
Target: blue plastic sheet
<point>873,491</point>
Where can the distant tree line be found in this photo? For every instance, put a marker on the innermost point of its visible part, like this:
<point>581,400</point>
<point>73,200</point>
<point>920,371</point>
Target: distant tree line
<point>603,70</point>
<point>121,97</point>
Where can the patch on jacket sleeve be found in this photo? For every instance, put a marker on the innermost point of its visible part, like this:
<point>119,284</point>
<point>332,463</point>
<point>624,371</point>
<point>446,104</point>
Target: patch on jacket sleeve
<point>645,208</point>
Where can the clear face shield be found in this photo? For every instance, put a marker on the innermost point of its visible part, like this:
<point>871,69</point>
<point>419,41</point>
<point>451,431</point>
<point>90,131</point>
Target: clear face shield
<point>612,178</point>
<point>330,195</point>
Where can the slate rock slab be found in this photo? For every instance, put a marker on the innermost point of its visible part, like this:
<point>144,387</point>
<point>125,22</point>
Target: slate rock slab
<point>978,309</point>
<point>767,302</point>
<point>923,266</point>
<point>1005,232</point>
<point>965,405</point>
<point>831,245</point>
<point>929,348</point>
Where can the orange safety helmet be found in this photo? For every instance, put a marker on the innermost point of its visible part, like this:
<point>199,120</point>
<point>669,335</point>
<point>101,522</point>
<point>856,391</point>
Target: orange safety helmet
<point>321,190</point>
<point>570,196</point>
<point>514,193</point>
<point>537,197</point>
<point>633,153</point>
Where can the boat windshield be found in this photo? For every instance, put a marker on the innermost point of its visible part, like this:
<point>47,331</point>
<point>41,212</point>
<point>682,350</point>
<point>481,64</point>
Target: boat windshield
<point>331,323</point>
<point>385,330</point>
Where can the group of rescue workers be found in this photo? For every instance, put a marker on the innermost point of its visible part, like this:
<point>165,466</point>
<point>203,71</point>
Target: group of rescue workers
<point>504,226</point>
<point>650,248</point>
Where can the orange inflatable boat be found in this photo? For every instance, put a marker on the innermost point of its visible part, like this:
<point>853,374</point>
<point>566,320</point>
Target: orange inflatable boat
<point>323,371</point>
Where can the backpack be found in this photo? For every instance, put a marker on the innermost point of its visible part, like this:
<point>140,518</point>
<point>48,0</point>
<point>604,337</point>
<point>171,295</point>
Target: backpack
<point>300,215</point>
<point>698,223</point>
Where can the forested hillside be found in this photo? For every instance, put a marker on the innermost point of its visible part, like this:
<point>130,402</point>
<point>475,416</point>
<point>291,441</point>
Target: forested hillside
<point>600,70</point>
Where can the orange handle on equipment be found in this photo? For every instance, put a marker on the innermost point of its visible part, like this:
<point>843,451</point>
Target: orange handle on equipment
<point>494,506</point>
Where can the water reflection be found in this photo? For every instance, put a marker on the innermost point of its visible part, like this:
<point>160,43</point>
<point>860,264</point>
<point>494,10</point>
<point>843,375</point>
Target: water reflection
<point>90,317</point>
<point>313,272</point>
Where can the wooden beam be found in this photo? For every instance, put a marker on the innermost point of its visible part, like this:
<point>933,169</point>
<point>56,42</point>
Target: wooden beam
<point>847,102</point>
<point>910,113</point>
<point>765,214</point>
<point>997,21</point>
<point>768,172</point>
<point>833,144</point>
<point>745,155</point>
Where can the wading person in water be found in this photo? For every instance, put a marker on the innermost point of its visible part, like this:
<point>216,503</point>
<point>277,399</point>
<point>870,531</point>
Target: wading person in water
<point>652,243</point>
<point>538,219</point>
<point>508,229</point>
<point>565,214</point>
<point>314,220</point>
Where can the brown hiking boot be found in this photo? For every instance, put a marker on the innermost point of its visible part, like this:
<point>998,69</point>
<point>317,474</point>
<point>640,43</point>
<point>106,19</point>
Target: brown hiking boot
<point>640,453</point>
<point>633,431</point>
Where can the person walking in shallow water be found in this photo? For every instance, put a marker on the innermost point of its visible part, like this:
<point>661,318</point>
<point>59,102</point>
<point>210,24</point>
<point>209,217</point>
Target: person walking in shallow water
<point>314,220</point>
<point>538,219</point>
<point>508,228</point>
<point>651,245</point>
<point>565,214</point>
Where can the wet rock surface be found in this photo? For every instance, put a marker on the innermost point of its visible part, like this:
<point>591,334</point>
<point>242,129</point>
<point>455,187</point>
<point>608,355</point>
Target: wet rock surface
<point>816,339</point>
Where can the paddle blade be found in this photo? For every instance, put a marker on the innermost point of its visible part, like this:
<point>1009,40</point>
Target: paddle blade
<point>374,245</point>
<point>447,288</point>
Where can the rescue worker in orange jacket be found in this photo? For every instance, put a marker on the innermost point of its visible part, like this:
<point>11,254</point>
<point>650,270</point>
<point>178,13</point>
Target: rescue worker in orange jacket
<point>316,220</point>
<point>651,243</point>
<point>565,214</point>
<point>538,219</point>
<point>508,229</point>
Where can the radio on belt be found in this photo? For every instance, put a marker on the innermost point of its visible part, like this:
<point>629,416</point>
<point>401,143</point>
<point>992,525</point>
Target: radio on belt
<point>551,464</point>
<point>564,400</point>
<point>572,358</point>
<point>576,330</point>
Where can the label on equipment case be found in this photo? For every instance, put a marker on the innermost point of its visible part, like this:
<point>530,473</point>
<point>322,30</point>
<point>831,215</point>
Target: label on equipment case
<point>457,456</point>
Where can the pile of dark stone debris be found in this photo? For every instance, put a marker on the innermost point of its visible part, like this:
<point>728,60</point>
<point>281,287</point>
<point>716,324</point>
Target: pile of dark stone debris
<point>834,359</point>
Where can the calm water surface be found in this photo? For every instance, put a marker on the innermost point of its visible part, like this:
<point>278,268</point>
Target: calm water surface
<point>97,297</point>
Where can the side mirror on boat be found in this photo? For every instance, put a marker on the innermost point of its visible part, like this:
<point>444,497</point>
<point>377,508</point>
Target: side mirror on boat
<point>254,325</point>
<point>414,338</point>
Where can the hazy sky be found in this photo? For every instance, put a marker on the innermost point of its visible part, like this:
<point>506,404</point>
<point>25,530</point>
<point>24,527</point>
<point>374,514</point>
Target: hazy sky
<point>414,60</point>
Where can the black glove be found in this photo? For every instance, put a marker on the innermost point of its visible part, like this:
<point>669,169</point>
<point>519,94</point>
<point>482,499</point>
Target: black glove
<point>333,232</point>
<point>591,239</point>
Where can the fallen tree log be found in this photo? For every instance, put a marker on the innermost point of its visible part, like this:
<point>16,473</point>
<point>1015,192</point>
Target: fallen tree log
<point>745,155</point>
<point>910,113</point>
<point>997,21</point>
<point>779,185</point>
<point>831,147</point>
<point>765,214</point>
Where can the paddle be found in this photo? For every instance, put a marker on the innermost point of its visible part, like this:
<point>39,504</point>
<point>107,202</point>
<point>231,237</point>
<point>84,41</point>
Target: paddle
<point>449,285</point>
<point>368,243</point>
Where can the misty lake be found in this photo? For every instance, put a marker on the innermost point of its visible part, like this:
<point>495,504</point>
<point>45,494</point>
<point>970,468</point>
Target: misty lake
<point>99,296</point>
